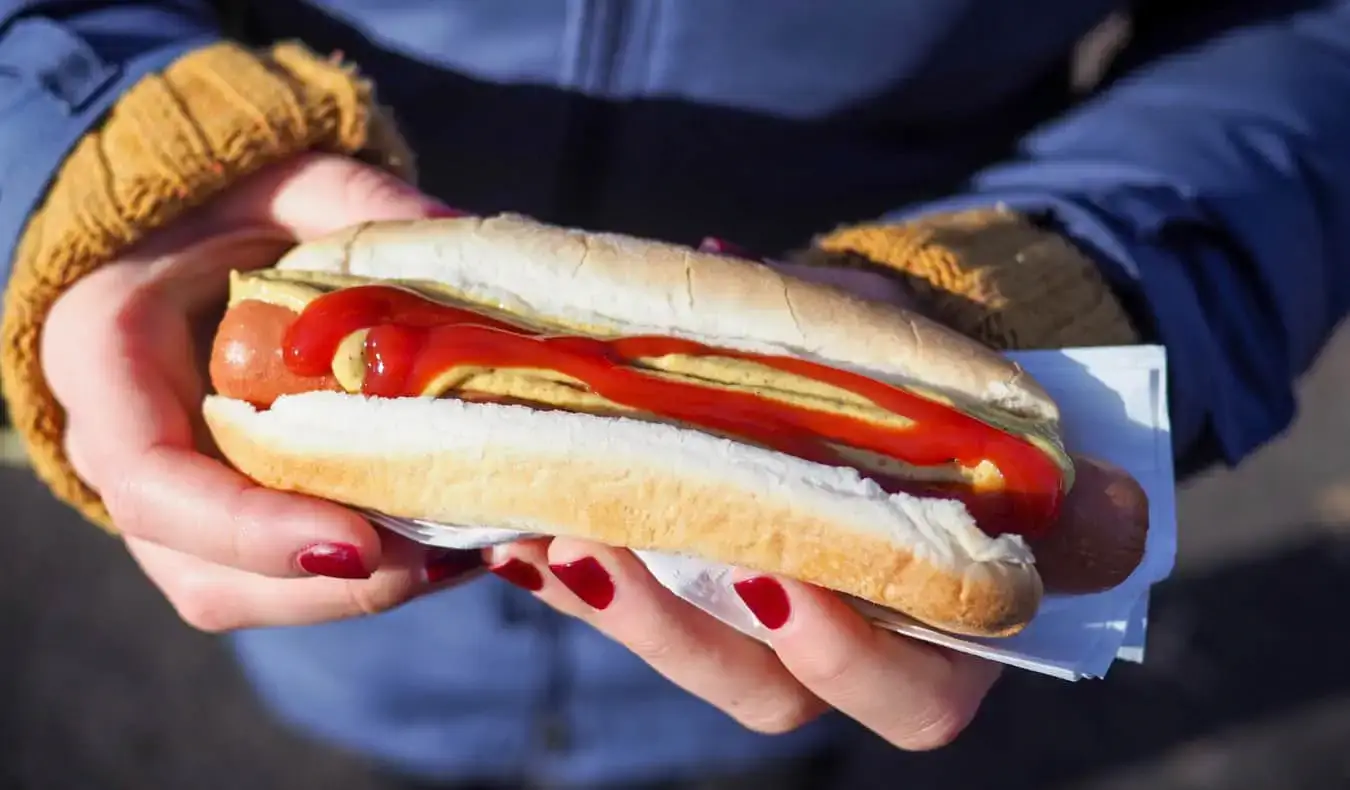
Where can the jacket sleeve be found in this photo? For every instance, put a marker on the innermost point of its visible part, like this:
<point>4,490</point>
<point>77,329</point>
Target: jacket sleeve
<point>119,117</point>
<point>62,65</point>
<point>1212,183</point>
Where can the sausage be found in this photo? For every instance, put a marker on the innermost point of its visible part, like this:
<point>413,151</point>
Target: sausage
<point>246,361</point>
<point>1098,541</point>
<point>1100,537</point>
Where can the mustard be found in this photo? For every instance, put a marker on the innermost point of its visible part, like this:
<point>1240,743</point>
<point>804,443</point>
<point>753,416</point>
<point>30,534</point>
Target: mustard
<point>294,289</point>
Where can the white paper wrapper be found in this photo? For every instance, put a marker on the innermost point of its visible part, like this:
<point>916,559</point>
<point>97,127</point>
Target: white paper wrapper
<point>1113,403</point>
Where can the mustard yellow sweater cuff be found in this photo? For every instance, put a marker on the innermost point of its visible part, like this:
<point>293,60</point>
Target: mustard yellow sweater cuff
<point>172,142</point>
<point>993,275</point>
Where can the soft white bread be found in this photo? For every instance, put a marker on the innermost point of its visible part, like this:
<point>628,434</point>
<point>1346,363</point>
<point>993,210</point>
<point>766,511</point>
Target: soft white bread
<point>627,285</point>
<point>638,484</point>
<point>648,485</point>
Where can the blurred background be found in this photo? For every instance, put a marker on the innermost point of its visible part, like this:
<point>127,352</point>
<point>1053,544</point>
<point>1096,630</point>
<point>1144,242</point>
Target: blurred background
<point>1247,683</point>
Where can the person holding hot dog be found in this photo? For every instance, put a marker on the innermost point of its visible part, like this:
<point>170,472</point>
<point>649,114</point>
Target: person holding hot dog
<point>936,155</point>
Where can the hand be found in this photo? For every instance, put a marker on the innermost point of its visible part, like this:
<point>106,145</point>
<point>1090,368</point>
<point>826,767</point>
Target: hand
<point>123,351</point>
<point>822,654</point>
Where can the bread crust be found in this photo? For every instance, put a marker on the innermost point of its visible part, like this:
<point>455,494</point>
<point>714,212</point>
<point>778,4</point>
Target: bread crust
<point>630,285</point>
<point>648,485</point>
<point>633,484</point>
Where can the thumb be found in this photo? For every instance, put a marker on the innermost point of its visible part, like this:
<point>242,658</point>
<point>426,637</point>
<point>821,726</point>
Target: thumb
<point>874,286</point>
<point>315,194</point>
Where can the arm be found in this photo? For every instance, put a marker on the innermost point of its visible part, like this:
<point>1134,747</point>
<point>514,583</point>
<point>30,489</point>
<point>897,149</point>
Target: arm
<point>1212,185</point>
<point>119,117</point>
<point>62,65</point>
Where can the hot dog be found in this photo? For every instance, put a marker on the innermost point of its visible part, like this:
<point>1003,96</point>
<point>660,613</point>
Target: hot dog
<point>502,372</point>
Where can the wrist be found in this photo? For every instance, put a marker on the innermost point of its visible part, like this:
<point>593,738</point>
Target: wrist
<point>174,141</point>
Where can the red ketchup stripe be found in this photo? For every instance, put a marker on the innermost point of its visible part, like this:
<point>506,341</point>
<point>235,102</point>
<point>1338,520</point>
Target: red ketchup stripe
<point>412,340</point>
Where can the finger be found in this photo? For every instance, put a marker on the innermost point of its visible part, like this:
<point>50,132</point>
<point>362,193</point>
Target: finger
<point>194,274</point>
<point>1101,535</point>
<point>612,590</point>
<point>135,444</point>
<point>524,563</point>
<point>720,246</point>
<point>76,455</point>
<point>316,194</point>
<point>303,197</point>
<point>186,501</point>
<point>875,286</point>
<point>915,695</point>
<point>253,223</point>
<point>217,599</point>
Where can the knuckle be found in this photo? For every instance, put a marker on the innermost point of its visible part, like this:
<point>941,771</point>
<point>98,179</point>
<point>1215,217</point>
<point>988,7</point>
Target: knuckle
<point>949,709</point>
<point>651,648</point>
<point>240,528</point>
<point>361,185</point>
<point>378,595</point>
<point>120,495</point>
<point>939,727</point>
<point>203,605</point>
<point>782,714</point>
<point>123,494</point>
<point>824,668</point>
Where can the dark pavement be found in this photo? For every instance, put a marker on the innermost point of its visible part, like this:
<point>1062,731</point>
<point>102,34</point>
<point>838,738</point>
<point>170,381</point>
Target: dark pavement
<point>1247,683</point>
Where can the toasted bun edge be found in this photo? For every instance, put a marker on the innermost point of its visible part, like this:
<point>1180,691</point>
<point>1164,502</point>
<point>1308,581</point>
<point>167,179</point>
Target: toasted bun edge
<point>639,485</point>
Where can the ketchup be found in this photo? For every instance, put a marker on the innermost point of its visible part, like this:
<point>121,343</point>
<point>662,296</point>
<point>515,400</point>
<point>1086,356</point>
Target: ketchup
<point>412,340</point>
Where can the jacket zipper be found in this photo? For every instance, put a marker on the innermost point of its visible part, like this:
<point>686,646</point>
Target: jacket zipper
<point>587,135</point>
<point>589,129</point>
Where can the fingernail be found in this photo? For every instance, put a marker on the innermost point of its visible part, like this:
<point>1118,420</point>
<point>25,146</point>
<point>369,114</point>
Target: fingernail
<point>588,580</point>
<point>520,573</point>
<point>451,564</point>
<point>334,560</point>
<point>723,247</point>
<point>442,210</point>
<point>766,599</point>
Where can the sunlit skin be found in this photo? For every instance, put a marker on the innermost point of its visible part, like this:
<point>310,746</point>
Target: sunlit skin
<point>228,554</point>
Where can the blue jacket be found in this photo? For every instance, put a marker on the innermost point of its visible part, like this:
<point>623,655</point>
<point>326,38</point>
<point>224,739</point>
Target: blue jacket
<point>1209,175</point>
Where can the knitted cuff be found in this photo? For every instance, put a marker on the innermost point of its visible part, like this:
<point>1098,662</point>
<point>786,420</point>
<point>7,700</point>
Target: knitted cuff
<point>992,275</point>
<point>172,142</point>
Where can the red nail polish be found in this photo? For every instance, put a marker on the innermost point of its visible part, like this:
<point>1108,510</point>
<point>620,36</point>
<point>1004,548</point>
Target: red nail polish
<point>449,565</point>
<point>767,600</point>
<point>723,247</point>
<point>588,579</point>
<point>335,560</point>
<point>520,573</point>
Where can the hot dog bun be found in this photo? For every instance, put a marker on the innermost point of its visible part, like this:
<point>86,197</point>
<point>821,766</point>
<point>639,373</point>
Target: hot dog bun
<point>641,485</point>
<point>635,286</point>
<point>647,485</point>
